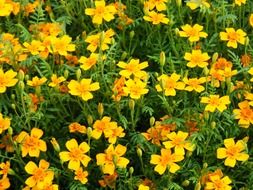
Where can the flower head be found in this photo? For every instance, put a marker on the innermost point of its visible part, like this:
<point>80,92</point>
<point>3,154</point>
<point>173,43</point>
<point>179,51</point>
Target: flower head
<point>194,84</point>
<point>215,102</point>
<point>240,2</point>
<point>194,4</point>
<point>196,58</point>
<point>56,81</point>
<point>36,81</point>
<point>156,18</point>
<point>88,62</point>
<point>232,152</point>
<point>81,175</point>
<point>75,154</point>
<point>83,88</point>
<point>193,33</point>
<point>135,88</point>
<point>159,5</point>
<point>244,114</point>
<point>233,37</point>
<point>217,182</point>
<point>7,79</point>
<point>4,123</point>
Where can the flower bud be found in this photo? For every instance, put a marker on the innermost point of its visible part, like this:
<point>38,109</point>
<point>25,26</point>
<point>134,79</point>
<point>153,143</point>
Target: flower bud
<point>21,75</point>
<point>205,165</point>
<point>176,31</point>
<point>206,71</point>
<point>215,57</point>
<point>139,152</point>
<point>152,121</point>
<point>13,106</point>
<point>162,58</point>
<point>131,104</point>
<point>21,85</point>
<point>13,96</point>
<point>84,35</point>
<point>213,124</point>
<point>131,170</point>
<point>78,74</point>
<point>66,74</point>
<point>90,119</point>
<point>132,34</point>
<point>198,186</point>
<point>179,3</point>
<point>55,145</point>
<point>102,37</point>
<point>100,109</point>
<point>185,183</point>
<point>89,132</point>
<point>10,131</point>
<point>246,41</point>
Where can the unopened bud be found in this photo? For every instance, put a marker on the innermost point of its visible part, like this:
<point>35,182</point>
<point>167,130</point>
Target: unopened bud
<point>131,170</point>
<point>66,74</point>
<point>11,171</point>
<point>206,115</point>
<point>176,31</point>
<point>213,124</point>
<point>90,119</point>
<point>246,41</point>
<point>162,58</point>
<point>186,183</point>
<point>198,186</point>
<point>55,145</point>
<point>131,104</point>
<point>139,152</point>
<point>102,37</point>
<point>152,121</point>
<point>100,109</point>
<point>21,75</point>
<point>205,165</point>
<point>21,85</point>
<point>10,131</point>
<point>215,57</point>
<point>124,55</point>
<point>89,132</point>
<point>246,139</point>
<point>132,34</point>
<point>78,74</point>
<point>13,96</point>
<point>13,106</point>
<point>206,71</point>
<point>84,35</point>
<point>179,2</point>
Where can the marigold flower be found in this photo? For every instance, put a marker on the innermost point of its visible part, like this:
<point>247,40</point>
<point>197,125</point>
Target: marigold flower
<point>118,89</point>
<point>244,114</point>
<point>100,126</point>
<point>194,84</point>
<point>101,12</point>
<point>5,8</point>
<point>112,158</point>
<point>35,47</point>
<point>76,154</point>
<point>215,102</point>
<point>36,81</point>
<point>159,5</point>
<point>169,84</point>
<point>135,88</point>
<point>4,123</point>
<point>7,143</point>
<point>194,4</point>
<point>109,180</point>
<point>196,58</point>
<point>87,63</point>
<point>240,2</point>
<point>4,183</point>
<point>61,45</point>
<point>32,144</point>
<point>232,152</point>
<point>153,134</point>
<point>5,169</point>
<point>246,59</point>
<point>56,81</point>
<point>193,33</point>
<point>218,183</point>
<point>233,37</point>
<point>178,141</point>
<point>113,133</point>
<point>83,88</point>
<point>156,18</point>
<point>166,160</point>
<point>143,187</point>
<point>251,20</point>
<point>134,67</point>
<point>81,175</point>
<point>7,79</point>
<point>40,175</point>
<point>77,127</point>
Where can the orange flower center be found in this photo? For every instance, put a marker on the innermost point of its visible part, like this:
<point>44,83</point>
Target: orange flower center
<point>39,174</point>
<point>232,151</point>
<point>232,36</point>
<point>100,10</point>
<point>75,154</point>
<point>214,101</point>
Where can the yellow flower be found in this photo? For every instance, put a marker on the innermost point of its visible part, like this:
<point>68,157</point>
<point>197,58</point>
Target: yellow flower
<point>35,47</point>
<point>233,37</point>
<point>135,88</point>
<point>178,141</point>
<point>56,80</point>
<point>101,125</point>
<point>81,175</point>
<point>143,187</point>
<point>169,84</point>
<point>194,4</point>
<point>215,102</point>
<point>5,8</point>
<point>7,79</point>
<point>61,45</point>
<point>156,18</point>
<point>193,33</point>
<point>196,58</point>
<point>166,160</point>
<point>251,19</point>
<point>32,145</point>
<point>240,2</point>
<point>100,40</point>
<point>194,84</point>
<point>218,183</point>
<point>113,133</point>
<point>134,67</point>
<point>4,182</point>
<point>76,154</point>
<point>250,71</point>
<point>232,152</point>
<point>76,127</point>
<point>112,158</point>
<point>244,114</point>
<point>4,123</point>
<point>87,63</point>
<point>36,81</point>
<point>40,175</point>
<point>160,5</point>
<point>101,12</point>
<point>83,88</point>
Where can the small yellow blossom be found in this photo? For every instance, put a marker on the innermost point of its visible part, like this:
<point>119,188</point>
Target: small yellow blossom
<point>76,127</point>
<point>81,175</point>
<point>194,4</point>
<point>4,182</point>
<point>7,79</point>
<point>218,183</point>
<point>244,114</point>
<point>240,2</point>
<point>143,187</point>
<point>166,160</point>
<point>88,62</point>
<point>194,84</point>
<point>35,47</point>
<point>193,33</point>
<point>196,58</point>
<point>156,18</point>
<point>4,123</point>
<point>36,81</point>
<point>233,37</point>
<point>5,8</point>
<point>159,5</point>
<point>169,84</point>
<point>135,88</point>
<point>83,88</point>
<point>56,81</point>
<point>101,12</point>
<point>232,152</point>
<point>215,102</point>
<point>76,154</point>
<point>250,71</point>
<point>61,45</point>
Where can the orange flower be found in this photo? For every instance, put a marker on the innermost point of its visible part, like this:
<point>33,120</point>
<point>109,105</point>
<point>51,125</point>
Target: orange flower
<point>100,126</point>
<point>7,143</point>
<point>4,183</point>
<point>4,169</point>
<point>109,180</point>
<point>81,175</point>
<point>4,123</point>
<point>32,145</point>
<point>118,90</point>
<point>244,114</point>
<point>76,154</point>
<point>76,127</point>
